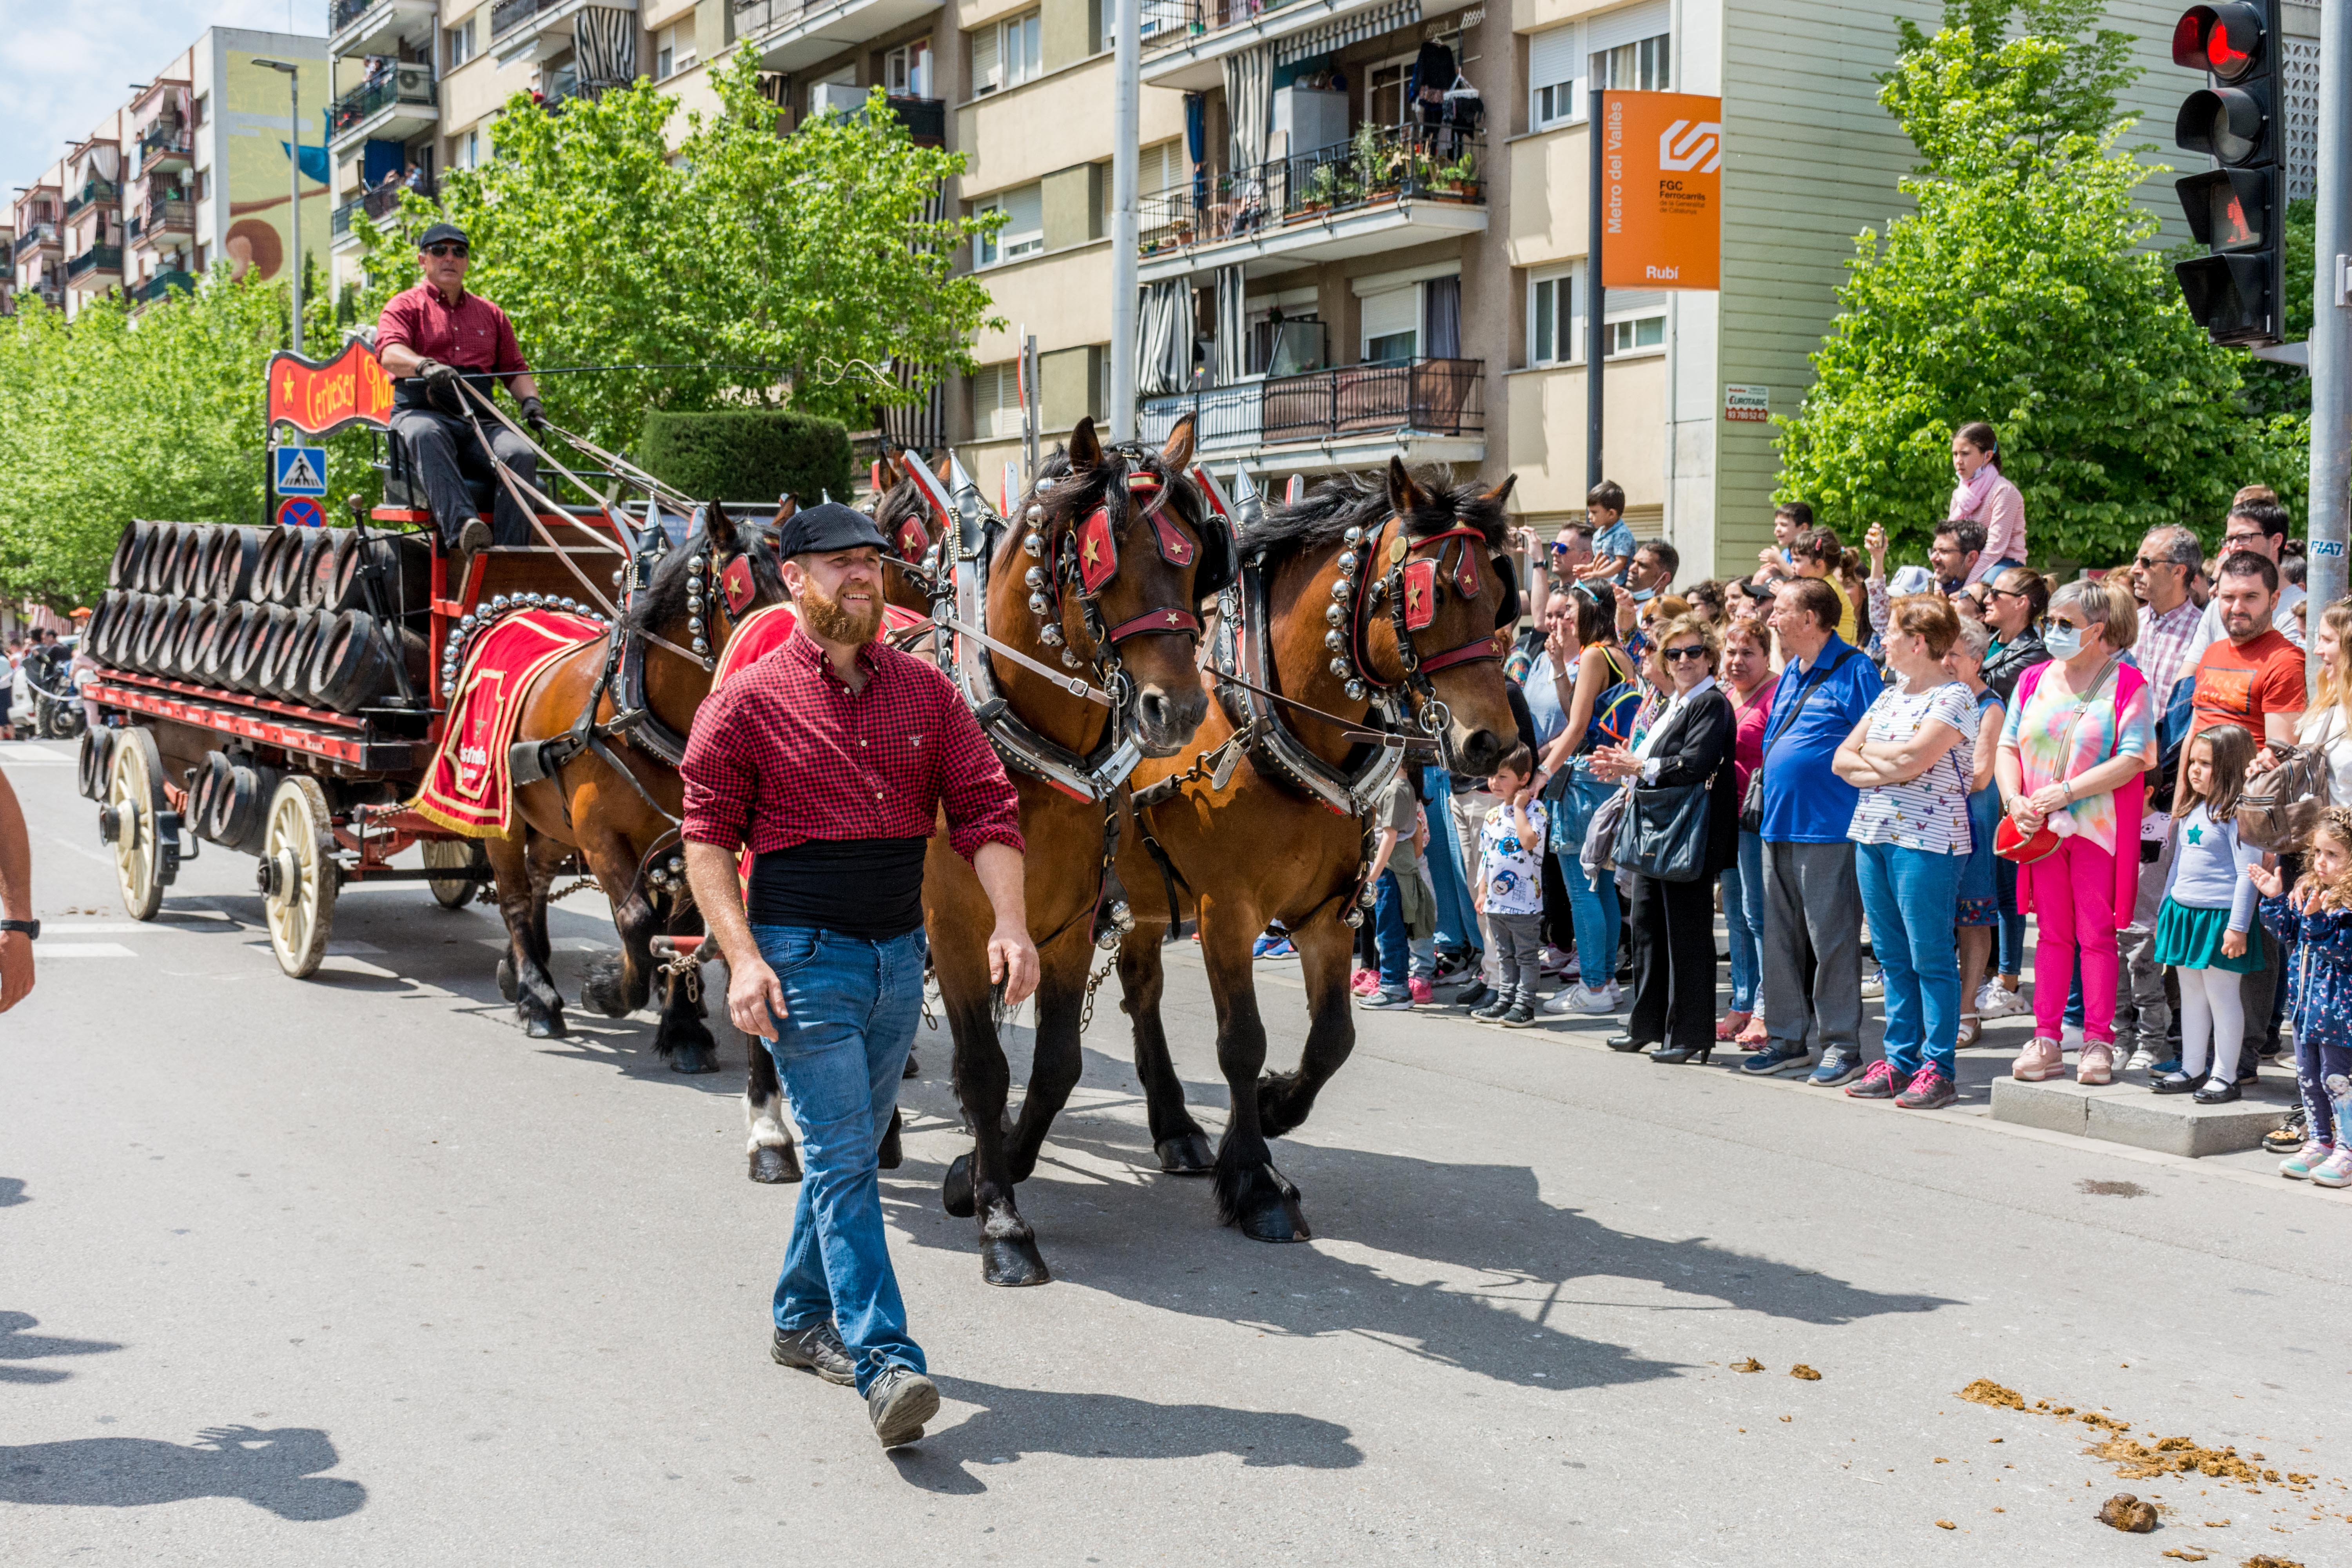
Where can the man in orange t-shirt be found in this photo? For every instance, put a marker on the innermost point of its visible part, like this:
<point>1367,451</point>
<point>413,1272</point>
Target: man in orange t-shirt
<point>2253,680</point>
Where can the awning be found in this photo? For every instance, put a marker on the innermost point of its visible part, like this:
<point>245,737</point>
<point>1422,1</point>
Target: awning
<point>1348,30</point>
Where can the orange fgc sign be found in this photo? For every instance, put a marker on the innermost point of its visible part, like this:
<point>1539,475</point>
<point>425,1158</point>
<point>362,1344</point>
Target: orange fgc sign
<point>1661,191</point>
<point>320,398</point>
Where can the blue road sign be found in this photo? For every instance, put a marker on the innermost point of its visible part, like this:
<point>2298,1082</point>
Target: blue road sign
<point>302,470</point>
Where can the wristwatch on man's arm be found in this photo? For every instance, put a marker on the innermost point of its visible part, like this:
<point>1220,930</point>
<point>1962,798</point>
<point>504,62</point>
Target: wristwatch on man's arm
<point>32,929</point>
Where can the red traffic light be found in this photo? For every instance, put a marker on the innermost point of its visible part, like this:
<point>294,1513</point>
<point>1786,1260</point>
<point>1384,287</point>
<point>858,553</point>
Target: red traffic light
<point>2226,39</point>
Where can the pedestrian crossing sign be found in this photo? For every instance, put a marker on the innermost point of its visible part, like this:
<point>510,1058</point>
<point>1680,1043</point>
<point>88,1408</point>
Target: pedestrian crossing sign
<point>302,470</point>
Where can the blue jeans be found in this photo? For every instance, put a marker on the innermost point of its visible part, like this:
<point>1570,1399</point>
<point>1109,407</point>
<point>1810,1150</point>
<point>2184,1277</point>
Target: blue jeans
<point>1599,919</point>
<point>851,1010</point>
<point>1458,917</point>
<point>1389,932</point>
<point>2012,924</point>
<point>1909,896</point>
<point>1743,920</point>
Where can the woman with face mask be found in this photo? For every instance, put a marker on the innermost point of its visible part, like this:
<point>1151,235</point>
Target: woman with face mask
<point>2080,733</point>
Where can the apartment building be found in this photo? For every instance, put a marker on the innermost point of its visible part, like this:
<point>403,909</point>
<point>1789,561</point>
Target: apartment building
<point>192,168</point>
<point>1363,222</point>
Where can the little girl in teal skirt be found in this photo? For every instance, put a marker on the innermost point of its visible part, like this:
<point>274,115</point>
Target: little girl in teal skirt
<point>2205,929</point>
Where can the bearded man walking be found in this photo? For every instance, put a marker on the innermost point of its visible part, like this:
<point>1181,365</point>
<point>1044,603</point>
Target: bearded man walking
<point>832,758</point>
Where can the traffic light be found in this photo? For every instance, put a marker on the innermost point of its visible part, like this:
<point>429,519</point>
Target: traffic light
<point>2237,211</point>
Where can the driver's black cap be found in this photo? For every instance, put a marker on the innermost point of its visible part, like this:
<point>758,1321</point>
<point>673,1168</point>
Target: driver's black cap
<point>441,232</point>
<point>827,526</point>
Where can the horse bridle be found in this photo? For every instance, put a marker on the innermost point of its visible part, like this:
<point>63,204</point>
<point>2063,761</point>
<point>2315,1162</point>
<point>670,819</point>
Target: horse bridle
<point>1082,560</point>
<point>1413,586</point>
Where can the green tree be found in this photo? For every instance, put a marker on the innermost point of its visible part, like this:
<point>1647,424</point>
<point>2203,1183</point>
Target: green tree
<point>2069,93</point>
<point>755,268</point>
<point>2018,292</point>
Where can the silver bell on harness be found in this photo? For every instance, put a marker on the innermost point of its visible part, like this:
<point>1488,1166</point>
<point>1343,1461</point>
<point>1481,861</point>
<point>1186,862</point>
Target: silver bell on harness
<point>1033,545</point>
<point>1117,921</point>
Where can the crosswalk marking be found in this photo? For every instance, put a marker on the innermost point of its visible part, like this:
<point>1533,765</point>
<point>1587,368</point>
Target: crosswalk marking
<point>82,950</point>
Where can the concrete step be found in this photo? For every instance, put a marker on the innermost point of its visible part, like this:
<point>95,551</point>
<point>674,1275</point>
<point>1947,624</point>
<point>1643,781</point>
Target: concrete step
<point>2127,1112</point>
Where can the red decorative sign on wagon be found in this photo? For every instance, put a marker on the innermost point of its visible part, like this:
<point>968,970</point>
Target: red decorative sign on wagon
<point>321,397</point>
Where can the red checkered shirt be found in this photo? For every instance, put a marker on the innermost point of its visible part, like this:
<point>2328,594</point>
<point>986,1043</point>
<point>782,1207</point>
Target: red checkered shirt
<point>784,752</point>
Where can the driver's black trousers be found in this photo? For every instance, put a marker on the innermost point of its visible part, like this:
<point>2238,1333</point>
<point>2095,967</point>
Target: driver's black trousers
<point>443,454</point>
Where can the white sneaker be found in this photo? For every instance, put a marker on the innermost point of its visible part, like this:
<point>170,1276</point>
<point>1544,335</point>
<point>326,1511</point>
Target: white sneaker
<point>1551,961</point>
<point>1873,985</point>
<point>2070,1036</point>
<point>1995,1000</point>
<point>2141,1060</point>
<point>1580,999</point>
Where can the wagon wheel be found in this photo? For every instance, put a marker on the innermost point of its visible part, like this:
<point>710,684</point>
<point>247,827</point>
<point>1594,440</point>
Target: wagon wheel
<point>134,789</point>
<point>299,879</point>
<point>453,855</point>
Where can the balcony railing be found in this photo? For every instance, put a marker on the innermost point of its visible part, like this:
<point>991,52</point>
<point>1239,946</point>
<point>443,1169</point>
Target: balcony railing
<point>165,215</point>
<point>33,238</point>
<point>509,14</point>
<point>342,13</point>
<point>406,84</point>
<point>1423,396</point>
<point>165,139</point>
<point>1378,166</point>
<point>91,194</point>
<point>163,283</point>
<point>379,205</point>
<point>926,118</point>
<point>1173,23</point>
<point>97,259</point>
<point>754,18</point>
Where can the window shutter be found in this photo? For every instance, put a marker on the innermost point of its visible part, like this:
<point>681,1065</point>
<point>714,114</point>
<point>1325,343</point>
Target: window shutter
<point>1629,26</point>
<point>983,60</point>
<point>1553,59</point>
<point>1391,312</point>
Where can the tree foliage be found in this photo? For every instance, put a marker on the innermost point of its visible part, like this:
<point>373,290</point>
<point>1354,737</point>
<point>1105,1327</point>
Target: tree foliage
<point>2069,91</point>
<point>756,269</point>
<point>2019,292</point>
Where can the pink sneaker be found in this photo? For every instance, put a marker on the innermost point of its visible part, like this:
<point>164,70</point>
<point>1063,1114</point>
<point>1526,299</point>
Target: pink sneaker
<point>2335,1171</point>
<point>2040,1058</point>
<point>1883,1081</point>
<point>2300,1164</point>
<point>1929,1090</point>
<point>2096,1063</point>
<point>1422,996</point>
<point>1364,981</point>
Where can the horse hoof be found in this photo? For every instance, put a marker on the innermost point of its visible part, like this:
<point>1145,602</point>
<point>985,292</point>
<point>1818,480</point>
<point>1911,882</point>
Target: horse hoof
<point>1191,1154</point>
<point>912,1069</point>
<point>604,991</point>
<point>507,978</point>
<point>694,1058</point>
<point>775,1164</point>
<point>1012,1261</point>
<point>1270,1209</point>
<point>955,1188</point>
<point>543,1028</point>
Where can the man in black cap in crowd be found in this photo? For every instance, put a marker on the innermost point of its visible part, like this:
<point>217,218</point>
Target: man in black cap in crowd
<point>832,758</point>
<point>431,338</point>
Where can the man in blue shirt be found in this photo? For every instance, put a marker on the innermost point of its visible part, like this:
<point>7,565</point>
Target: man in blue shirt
<point>1812,904</point>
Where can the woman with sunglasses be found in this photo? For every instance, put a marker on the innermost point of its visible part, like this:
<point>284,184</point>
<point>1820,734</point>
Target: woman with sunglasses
<point>2081,730</point>
<point>1691,742</point>
<point>1602,702</point>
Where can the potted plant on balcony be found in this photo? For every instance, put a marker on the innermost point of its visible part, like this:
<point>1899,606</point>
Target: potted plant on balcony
<point>1380,166</point>
<point>1457,177</point>
<point>1322,190</point>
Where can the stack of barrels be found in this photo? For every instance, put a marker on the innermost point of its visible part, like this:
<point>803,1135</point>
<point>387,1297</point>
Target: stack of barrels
<point>276,613</point>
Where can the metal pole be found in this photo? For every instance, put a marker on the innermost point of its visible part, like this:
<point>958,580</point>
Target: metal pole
<point>1126,69</point>
<point>1033,416</point>
<point>1594,340</point>
<point>294,219</point>
<point>2331,318</point>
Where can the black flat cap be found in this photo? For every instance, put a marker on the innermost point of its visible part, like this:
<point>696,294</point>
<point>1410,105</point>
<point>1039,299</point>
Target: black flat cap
<point>441,232</point>
<point>829,526</point>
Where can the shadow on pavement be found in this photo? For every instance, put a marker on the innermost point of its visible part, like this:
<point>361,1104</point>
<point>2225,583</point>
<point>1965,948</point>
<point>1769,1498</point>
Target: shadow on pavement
<point>16,1345</point>
<point>11,1192</point>
<point>271,1470</point>
<point>1017,1421</point>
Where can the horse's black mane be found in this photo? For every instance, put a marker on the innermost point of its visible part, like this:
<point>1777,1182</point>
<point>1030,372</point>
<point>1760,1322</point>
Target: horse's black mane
<point>900,502</point>
<point>1321,517</point>
<point>663,604</point>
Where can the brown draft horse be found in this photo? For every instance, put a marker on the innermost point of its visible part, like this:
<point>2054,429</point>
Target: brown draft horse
<point>1257,850</point>
<point>618,803</point>
<point>1158,678</point>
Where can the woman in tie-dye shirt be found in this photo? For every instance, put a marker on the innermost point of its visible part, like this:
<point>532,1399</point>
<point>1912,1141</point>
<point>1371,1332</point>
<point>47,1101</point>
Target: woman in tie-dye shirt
<point>2081,732</point>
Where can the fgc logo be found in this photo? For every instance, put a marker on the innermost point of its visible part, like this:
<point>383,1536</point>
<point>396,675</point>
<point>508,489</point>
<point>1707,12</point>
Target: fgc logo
<point>1696,148</point>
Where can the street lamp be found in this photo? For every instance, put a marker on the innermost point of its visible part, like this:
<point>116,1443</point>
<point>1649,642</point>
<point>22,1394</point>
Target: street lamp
<point>294,221</point>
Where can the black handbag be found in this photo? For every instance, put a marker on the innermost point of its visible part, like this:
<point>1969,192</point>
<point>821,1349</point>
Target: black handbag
<point>1752,803</point>
<point>1668,838</point>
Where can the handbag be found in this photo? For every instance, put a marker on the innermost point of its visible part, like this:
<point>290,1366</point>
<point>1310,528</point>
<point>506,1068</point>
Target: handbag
<point>1669,824</point>
<point>2011,842</point>
<point>1598,855</point>
<point>2278,810</point>
<point>1752,803</point>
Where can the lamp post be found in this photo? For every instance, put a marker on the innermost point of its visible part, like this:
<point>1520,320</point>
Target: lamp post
<point>294,219</point>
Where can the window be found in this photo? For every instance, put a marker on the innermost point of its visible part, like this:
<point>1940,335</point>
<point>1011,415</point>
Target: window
<point>1641,67</point>
<point>1384,94</point>
<point>995,401</point>
<point>1024,233</point>
<point>907,71</point>
<point>1552,320</point>
<point>673,50</point>
<point>1557,92</point>
<point>1006,53</point>
<point>196,112</point>
<point>473,150</point>
<point>1644,332</point>
<point>1391,324</point>
<point>457,44</point>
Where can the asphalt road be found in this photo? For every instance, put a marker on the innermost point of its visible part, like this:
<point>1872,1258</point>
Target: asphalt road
<point>347,1271</point>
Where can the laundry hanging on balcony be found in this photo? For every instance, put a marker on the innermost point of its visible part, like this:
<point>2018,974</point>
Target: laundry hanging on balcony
<point>1335,36</point>
<point>605,41</point>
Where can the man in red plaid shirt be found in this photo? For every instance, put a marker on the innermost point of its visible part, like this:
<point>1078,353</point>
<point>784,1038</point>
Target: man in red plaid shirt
<point>832,759</point>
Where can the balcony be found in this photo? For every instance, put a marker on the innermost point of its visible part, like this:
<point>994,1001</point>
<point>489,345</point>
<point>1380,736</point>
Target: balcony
<point>161,218</point>
<point>165,145</point>
<point>1185,42</point>
<point>360,27</point>
<point>524,30</point>
<point>163,283</point>
<point>92,193</point>
<point>1385,189</point>
<point>33,238</point>
<point>1327,420</point>
<point>393,110</point>
<point>99,261</point>
<point>926,118</point>
<point>793,34</point>
<point>378,204</point>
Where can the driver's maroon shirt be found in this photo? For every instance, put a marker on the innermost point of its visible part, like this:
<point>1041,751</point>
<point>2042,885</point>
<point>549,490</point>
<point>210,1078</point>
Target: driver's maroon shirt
<point>472,334</point>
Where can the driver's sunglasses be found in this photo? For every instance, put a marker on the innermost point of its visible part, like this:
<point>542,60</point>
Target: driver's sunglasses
<point>445,249</point>
<point>1680,654</point>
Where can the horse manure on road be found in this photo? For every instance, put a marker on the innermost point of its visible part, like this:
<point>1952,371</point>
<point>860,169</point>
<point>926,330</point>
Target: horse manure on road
<point>1750,1364</point>
<point>1985,1390</point>
<point>2124,1512</point>
<point>1802,1371</point>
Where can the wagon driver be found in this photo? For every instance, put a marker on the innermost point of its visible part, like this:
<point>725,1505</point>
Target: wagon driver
<point>831,757</point>
<point>431,338</point>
